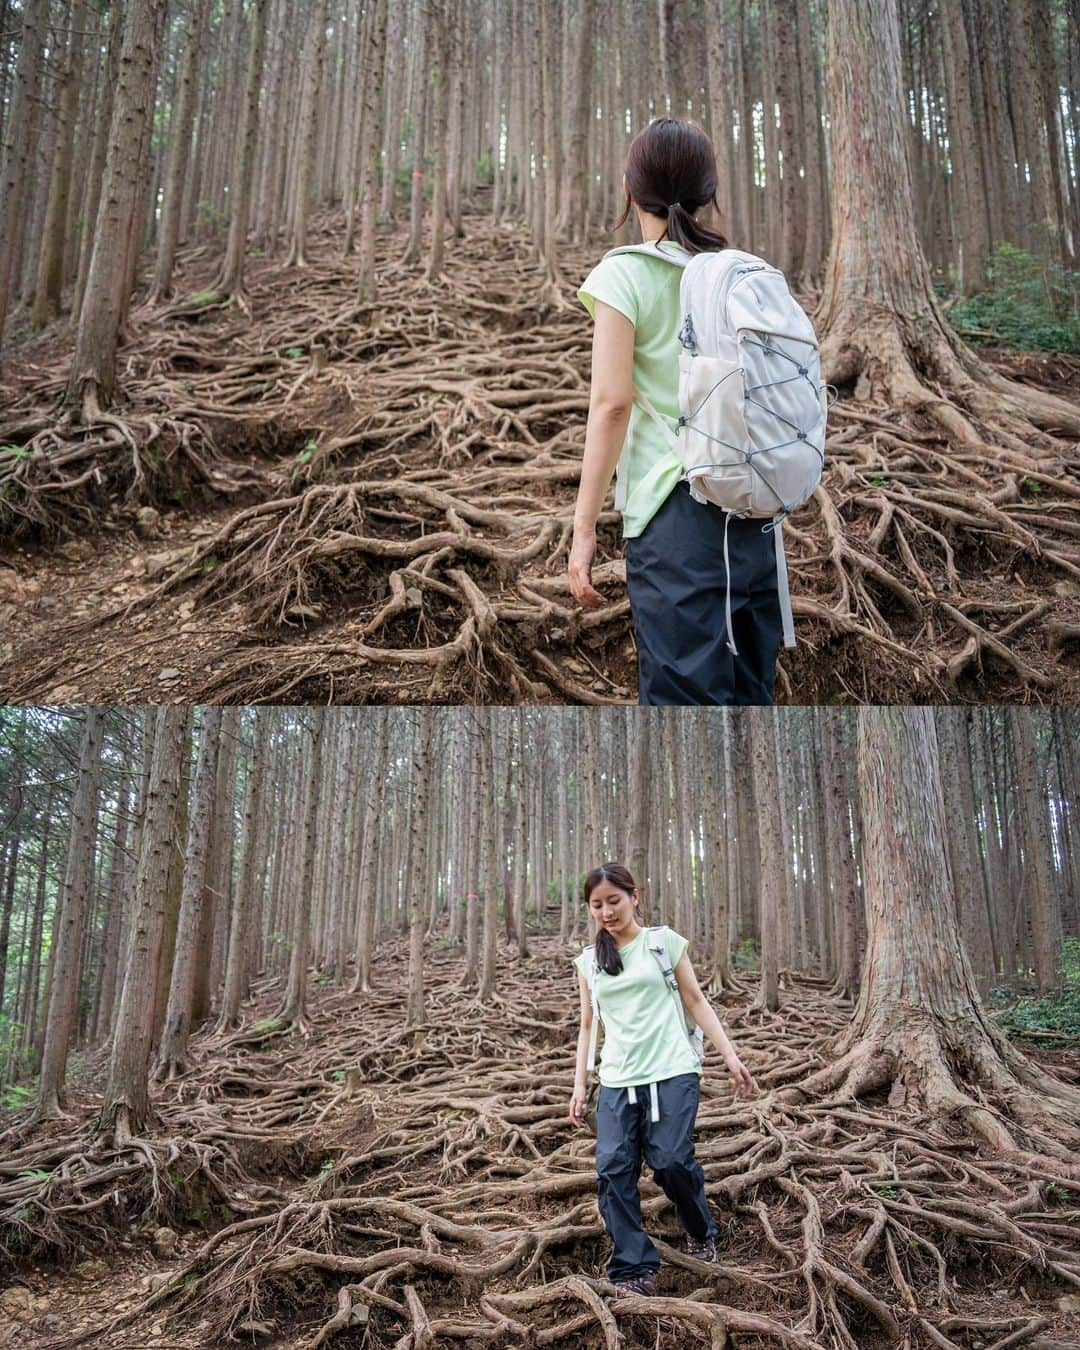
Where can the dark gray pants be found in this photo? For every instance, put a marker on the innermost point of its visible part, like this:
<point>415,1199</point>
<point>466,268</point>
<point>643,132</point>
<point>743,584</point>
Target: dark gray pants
<point>624,1132</point>
<point>677,582</point>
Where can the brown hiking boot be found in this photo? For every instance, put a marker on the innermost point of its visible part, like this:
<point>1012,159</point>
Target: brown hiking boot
<point>641,1284</point>
<point>705,1250</point>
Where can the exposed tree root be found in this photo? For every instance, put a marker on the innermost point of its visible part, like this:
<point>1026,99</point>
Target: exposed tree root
<point>461,1205</point>
<point>420,534</point>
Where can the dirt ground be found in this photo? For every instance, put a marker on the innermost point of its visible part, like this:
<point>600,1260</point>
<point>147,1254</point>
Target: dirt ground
<point>441,1184</point>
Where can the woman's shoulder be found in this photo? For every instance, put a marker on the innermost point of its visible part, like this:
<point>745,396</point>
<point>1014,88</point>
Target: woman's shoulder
<point>614,283</point>
<point>675,942</point>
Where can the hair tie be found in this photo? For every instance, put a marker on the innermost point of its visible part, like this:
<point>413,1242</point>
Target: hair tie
<point>672,206</point>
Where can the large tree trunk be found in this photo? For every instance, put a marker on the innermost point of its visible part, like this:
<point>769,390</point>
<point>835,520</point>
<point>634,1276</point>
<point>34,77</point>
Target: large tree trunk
<point>126,1104</point>
<point>92,381</point>
<point>375,96</point>
<point>72,910</point>
<point>50,276</point>
<point>310,82</point>
<point>418,869</point>
<point>173,1049</point>
<point>294,1004</point>
<point>919,1024</point>
<point>15,176</point>
<point>369,866</point>
<point>878,319</point>
<point>230,279</point>
<point>180,136</point>
<point>772,849</point>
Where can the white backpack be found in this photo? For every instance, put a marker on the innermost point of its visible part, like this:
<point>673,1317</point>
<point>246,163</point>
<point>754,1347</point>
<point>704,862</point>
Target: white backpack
<point>751,435</point>
<point>657,944</point>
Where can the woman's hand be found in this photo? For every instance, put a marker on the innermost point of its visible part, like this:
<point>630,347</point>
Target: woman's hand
<point>579,567</point>
<point>741,1078</point>
<point>577,1104</point>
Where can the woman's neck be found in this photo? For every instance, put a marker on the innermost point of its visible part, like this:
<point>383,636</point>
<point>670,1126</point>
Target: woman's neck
<point>627,935</point>
<point>652,227</point>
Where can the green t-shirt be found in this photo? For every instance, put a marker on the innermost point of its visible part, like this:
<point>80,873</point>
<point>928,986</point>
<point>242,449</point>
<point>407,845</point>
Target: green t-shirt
<point>645,1037</point>
<point>646,290</point>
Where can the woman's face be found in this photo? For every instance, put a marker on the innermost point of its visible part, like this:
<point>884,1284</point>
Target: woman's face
<point>613,908</point>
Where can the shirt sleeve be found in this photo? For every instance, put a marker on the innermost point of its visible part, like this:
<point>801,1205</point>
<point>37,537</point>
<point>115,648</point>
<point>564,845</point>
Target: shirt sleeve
<point>676,947</point>
<point>611,283</point>
<point>579,963</point>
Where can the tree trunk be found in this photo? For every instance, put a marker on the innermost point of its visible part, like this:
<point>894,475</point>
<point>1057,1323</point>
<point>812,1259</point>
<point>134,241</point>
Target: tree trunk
<point>71,914</point>
<point>293,1007</point>
<point>50,276</point>
<point>16,176</point>
<point>172,1053</point>
<point>126,1103</point>
<point>230,279</point>
<point>419,880</point>
<point>919,1024</point>
<point>878,319</point>
<point>92,381</point>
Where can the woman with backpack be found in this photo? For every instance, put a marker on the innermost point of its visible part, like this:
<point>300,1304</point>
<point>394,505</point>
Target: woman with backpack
<point>703,583</point>
<point>639,982</point>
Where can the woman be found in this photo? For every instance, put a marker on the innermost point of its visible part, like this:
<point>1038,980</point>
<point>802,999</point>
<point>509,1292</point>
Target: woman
<point>676,573</point>
<point>649,1075</point>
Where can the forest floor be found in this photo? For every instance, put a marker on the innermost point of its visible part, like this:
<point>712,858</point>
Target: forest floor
<point>366,1186</point>
<point>332,502</point>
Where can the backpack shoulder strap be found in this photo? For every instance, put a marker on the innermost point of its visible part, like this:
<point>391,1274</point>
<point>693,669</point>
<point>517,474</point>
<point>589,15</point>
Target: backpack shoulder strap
<point>657,942</point>
<point>590,962</point>
<point>653,250</point>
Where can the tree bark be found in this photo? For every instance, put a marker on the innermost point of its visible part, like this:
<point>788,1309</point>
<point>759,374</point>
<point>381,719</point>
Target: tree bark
<point>919,1024</point>
<point>126,1103</point>
<point>172,1053</point>
<point>92,380</point>
<point>71,917</point>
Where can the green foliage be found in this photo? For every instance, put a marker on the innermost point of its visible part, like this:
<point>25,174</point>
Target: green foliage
<point>204,298</point>
<point>1029,303</point>
<point>294,352</point>
<point>267,1024</point>
<point>886,1192</point>
<point>747,955</point>
<point>17,451</point>
<point>206,210</point>
<point>15,1095</point>
<point>1054,1017</point>
<point>338,1076</point>
<point>305,455</point>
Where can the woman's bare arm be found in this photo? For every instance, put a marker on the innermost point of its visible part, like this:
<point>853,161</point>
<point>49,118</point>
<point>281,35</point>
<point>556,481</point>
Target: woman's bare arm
<point>581,1067</point>
<point>701,1010</point>
<point>611,396</point>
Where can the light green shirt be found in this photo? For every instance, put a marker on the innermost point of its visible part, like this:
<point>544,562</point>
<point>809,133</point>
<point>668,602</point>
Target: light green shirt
<point>646,290</point>
<point>645,1037</point>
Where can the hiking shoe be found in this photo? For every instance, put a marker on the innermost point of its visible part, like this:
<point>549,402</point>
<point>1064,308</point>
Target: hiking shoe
<point>705,1250</point>
<point>643,1284</point>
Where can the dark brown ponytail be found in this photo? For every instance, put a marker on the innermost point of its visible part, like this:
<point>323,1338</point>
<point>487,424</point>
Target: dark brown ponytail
<point>671,173</point>
<point>607,954</point>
